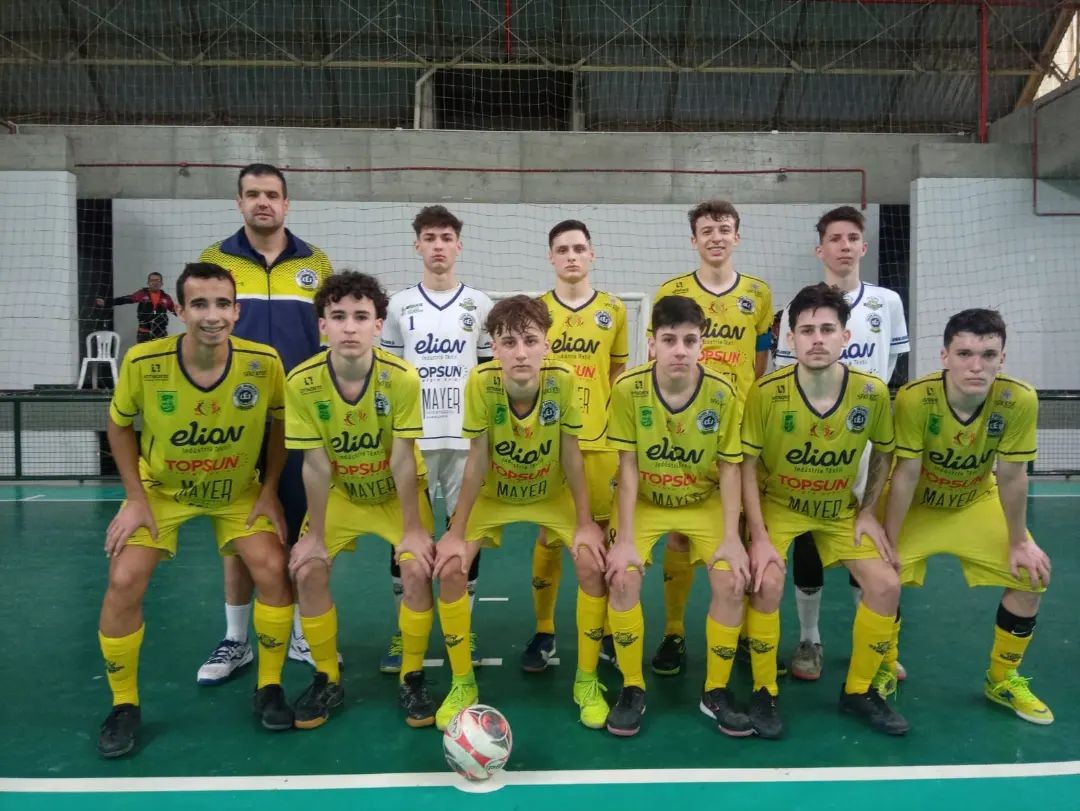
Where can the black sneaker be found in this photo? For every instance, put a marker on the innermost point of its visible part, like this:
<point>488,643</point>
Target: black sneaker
<point>118,730</point>
<point>273,711</point>
<point>670,658</point>
<point>540,649</point>
<point>414,699</point>
<point>624,719</point>
<point>874,711</point>
<point>607,649</point>
<point>742,654</point>
<point>764,716</point>
<point>314,705</point>
<point>719,704</point>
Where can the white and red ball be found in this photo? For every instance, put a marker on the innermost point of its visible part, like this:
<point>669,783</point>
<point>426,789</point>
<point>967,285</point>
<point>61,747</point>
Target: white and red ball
<point>477,742</point>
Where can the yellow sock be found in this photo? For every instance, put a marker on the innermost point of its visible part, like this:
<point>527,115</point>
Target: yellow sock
<point>1006,655</point>
<point>871,638</point>
<point>546,574</point>
<point>273,624</point>
<point>892,655</point>
<point>678,578</point>
<point>721,640</point>
<point>321,635</point>
<point>455,618</point>
<point>628,628</point>
<point>122,665</point>
<point>590,629</point>
<point>763,633</point>
<point>415,630</point>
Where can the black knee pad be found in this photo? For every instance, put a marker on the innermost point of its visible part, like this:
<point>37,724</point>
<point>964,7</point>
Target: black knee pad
<point>1010,623</point>
<point>806,568</point>
<point>474,568</point>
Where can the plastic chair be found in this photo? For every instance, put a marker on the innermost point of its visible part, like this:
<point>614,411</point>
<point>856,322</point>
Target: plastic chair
<point>101,347</point>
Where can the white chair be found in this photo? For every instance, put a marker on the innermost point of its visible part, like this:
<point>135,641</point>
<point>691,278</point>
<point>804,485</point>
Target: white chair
<point>101,347</point>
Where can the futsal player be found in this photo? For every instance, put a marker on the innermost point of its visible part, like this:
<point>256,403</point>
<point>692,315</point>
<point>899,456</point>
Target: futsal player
<point>354,411</point>
<point>964,436</point>
<point>205,398</point>
<point>676,426</point>
<point>524,464</point>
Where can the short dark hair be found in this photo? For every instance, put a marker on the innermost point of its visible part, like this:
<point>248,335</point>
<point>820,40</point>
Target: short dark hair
<point>517,314</point>
<point>568,225</point>
<point>713,209</point>
<point>202,270</point>
<point>154,273</point>
<point>841,214</point>
<point>672,311</point>
<point>816,296</point>
<point>261,170</point>
<point>436,217</point>
<point>978,322</point>
<point>350,283</point>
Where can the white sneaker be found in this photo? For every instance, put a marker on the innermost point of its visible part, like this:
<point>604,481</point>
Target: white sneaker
<point>300,652</point>
<point>228,657</point>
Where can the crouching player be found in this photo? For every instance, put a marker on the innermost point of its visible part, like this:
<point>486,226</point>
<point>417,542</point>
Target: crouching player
<point>952,426</point>
<point>355,412</point>
<point>524,465</point>
<point>205,400</point>
<point>676,426</point>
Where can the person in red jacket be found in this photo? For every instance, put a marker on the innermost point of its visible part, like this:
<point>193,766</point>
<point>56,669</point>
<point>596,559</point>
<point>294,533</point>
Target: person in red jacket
<point>154,306</point>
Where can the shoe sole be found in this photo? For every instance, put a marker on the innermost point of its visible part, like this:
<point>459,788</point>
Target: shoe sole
<point>770,737</point>
<point>802,675</point>
<point>624,733</point>
<point>247,660</point>
<point>1031,719</point>
<point>896,733</point>
<point>674,672</point>
<point>118,753</point>
<point>901,674</point>
<point>390,669</point>
<point>277,727</point>
<point>420,723</point>
<point>731,733</point>
<point>528,669</point>
<point>313,723</point>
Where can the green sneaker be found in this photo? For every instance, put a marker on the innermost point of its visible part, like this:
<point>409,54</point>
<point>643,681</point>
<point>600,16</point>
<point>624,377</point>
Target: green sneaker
<point>463,693</point>
<point>1013,692</point>
<point>589,695</point>
<point>391,660</point>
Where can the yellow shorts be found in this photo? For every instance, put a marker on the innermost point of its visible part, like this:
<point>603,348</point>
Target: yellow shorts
<point>601,468</point>
<point>489,517</point>
<point>701,523</point>
<point>229,521</point>
<point>833,537</point>
<point>346,520</point>
<point>976,535</point>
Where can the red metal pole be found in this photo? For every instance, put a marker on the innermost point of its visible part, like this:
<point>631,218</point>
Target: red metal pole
<point>984,69</point>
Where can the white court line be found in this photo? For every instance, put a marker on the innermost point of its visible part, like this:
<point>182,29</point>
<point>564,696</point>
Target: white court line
<point>493,599</point>
<point>433,663</point>
<point>538,778</point>
<point>33,498</point>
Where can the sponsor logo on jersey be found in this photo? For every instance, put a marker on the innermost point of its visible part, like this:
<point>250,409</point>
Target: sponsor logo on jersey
<point>322,411</point>
<point>965,439</point>
<point>382,405</point>
<point>245,396</point>
<point>857,351</point>
<point>723,331</point>
<point>645,414</point>
<point>789,422</point>
<point>603,319</point>
<point>413,308</point>
<point>346,442</point>
<point>746,305</point>
<point>166,402</point>
<point>430,345</point>
<point>467,322</point>
<point>354,417</point>
<point>857,419</point>
<point>550,384</point>
<point>253,366</point>
<point>196,435</point>
<point>500,414</point>
<point>959,461</point>
<point>384,376</point>
<point>874,322</point>
<point>995,426</point>
<point>670,452</point>
<point>565,343</point>
<point>549,412</point>
<point>307,279</point>
<point>933,424</point>
<point>206,408</point>
<point>440,372</point>
<point>825,430</point>
<point>509,449</point>
<point>708,421</point>
<point>811,456</point>
<point>872,303</point>
<point>467,304</point>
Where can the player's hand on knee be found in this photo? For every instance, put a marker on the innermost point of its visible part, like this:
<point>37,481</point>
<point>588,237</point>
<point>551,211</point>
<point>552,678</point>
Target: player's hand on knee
<point>268,505</point>
<point>416,546</point>
<point>866,524</point>
<point>732,552</point>
<point>134,514</point>
<point>451,545</point>
<point>308,548</point>
<point>622,557</point>
<point>762,555</point>
<point>589,539</point>
<point>1028,555</point>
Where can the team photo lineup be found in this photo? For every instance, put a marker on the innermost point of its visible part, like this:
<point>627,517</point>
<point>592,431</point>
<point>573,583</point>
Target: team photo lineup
<point>303,409</point>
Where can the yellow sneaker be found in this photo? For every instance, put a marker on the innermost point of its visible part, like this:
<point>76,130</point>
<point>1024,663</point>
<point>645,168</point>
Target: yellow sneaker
<point>589,695</point>
<point>1013,692</point>
<point>884,681</point>
<point>463,693</point>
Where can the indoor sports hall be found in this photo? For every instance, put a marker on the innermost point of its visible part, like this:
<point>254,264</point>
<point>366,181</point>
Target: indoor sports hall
<point>950,126</point>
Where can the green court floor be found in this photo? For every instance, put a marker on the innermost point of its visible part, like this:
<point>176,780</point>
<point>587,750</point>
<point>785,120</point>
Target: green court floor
<point>197,740</point>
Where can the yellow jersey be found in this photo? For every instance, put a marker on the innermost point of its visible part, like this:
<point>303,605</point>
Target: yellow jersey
<point>958,455</point>
<point>677,451</point>
<point>737,324</point>
<point>525,450</point>
<point>809,461</point>
<point>199,446</point>
<point>589,339</point>
<point>357,434</point>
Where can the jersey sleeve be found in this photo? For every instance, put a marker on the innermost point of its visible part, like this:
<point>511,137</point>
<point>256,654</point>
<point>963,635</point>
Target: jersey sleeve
<point>475,419</point>
<point>408,418</point>
<point>1019,443</point>
<point>620,346</point>
<point>882,434</point>
<point>728,440</point>
<point>483,340</point>
<point>621,433</point>
<point>763,327</point>
<point>785,353</point>
<point>276,407</point>
<point>898,341</point>
<point>752,432</point>
<point>391,339</point>
<point>127,398</point>
<point>910,424</point>
<point>301,432</point>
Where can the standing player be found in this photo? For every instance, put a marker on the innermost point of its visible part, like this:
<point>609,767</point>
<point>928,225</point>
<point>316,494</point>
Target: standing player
<point>524,465</point>
<point>588,333</point>
<point>803,431</point>
<point>954,429</point>
<point>152,312</point>
<point>438,327</point>
<point>355,413</point>
<point>879,337</point>
<point>276,276</point>
<point>734,344</point>
<point>676,425</point>
<point>205,399</point>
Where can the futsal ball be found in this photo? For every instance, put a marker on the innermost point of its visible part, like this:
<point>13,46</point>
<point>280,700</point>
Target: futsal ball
<point>477,742</point>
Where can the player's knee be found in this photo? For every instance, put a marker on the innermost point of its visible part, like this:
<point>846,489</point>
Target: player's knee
<point>881,587</point>
<point>452,582</point>
<point>625,589</point>
<point>127,583</point>
<point>772,586</point>
<point>313,577</point>
<point>414,581</point>
<point>588,567</point>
